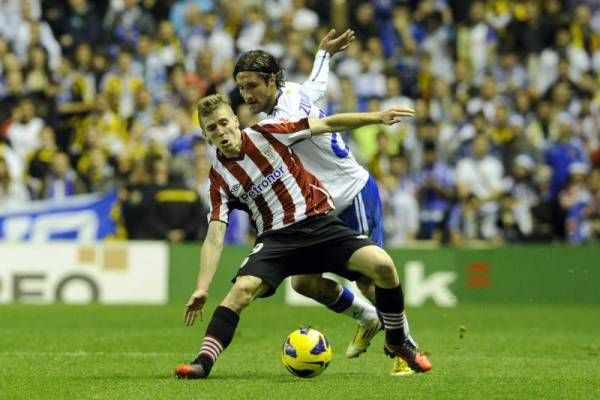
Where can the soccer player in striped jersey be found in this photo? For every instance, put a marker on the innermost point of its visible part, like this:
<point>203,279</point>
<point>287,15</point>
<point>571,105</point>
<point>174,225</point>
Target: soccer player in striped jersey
<point>260,80</point>
<point>289,206</point>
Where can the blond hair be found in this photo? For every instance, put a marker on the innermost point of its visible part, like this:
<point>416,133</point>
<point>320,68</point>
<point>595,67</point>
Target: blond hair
<point>208,104</point>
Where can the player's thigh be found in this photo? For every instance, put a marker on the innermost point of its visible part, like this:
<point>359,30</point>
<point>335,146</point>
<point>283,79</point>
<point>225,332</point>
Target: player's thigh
<point>365,214</point>
<point>373,262</point>
<point>245,289</point>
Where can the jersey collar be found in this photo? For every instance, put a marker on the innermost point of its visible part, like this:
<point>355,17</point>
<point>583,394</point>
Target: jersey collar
<point>272,112</point>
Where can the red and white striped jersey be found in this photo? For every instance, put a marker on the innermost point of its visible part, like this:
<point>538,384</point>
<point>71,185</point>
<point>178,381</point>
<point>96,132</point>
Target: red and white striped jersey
<point>326,156</point>
<point>269,178</point>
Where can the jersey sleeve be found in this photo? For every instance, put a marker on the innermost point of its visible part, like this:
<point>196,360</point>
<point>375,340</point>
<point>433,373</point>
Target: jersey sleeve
<point>316,85</point>
<point>220,197</point>
<point>287,132</point>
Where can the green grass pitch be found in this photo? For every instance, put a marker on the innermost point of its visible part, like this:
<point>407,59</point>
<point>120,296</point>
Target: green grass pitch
<point>116,352</point>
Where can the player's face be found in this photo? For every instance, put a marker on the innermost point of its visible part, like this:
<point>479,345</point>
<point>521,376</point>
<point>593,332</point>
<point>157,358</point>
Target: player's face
<point>260,95</point>
<point>221,128</point>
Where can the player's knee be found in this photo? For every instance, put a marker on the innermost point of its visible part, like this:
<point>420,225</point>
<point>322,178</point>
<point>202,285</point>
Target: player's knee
<point>244,291</point>
<point>385,271</point>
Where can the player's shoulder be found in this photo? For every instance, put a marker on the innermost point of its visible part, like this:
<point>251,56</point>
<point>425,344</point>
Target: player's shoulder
<point>291,87</point>
<point>291,90</point>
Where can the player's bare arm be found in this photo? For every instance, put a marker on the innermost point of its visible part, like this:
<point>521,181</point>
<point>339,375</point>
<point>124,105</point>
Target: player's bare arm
<point>346,121</point>
<point>210,254</point>
<point>332,44</point>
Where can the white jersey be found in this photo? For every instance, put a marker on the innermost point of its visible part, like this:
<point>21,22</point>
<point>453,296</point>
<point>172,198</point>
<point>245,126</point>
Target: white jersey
<point>268,179</point>
<point>325,156</point>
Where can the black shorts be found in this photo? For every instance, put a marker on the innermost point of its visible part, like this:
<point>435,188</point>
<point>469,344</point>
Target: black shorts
<point>313,246</point>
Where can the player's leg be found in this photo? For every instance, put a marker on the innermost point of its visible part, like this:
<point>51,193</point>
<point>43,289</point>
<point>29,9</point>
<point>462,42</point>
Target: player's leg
<point>222,326</point>
<point>361,217</point>
<point>340,299</point>
<point>376,264</point>
<point>370,213</point>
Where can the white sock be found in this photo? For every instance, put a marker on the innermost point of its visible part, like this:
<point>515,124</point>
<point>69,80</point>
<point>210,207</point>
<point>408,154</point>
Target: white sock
<point>354,306</point>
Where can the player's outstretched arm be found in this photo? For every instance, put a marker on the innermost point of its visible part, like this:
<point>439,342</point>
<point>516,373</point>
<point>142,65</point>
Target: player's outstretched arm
<point>210,254</point>
<point>316,84</point>
<point>347,121</point>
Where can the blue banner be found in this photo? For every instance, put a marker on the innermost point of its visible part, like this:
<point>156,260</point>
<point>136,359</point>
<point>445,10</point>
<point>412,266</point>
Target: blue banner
<point>82,218</point>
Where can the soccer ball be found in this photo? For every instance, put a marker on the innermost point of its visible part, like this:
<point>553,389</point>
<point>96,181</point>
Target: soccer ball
<point>306,353</point>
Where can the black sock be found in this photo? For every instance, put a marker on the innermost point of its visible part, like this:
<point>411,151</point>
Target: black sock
<point>390,304</point>
<point>219,334</point>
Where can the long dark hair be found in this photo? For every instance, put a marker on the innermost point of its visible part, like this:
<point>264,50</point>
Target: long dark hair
<point>262,62</point>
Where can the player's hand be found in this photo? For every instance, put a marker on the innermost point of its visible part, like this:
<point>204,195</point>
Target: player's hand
<point>332,44</point>
<point>394,115</point>
<point>194,306</point>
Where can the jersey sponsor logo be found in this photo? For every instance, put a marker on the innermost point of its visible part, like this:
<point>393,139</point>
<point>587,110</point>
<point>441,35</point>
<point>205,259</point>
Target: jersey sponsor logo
<point>265,184</point>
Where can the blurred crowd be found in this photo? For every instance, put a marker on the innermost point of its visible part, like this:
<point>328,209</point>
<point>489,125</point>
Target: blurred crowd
<point>505,145</point>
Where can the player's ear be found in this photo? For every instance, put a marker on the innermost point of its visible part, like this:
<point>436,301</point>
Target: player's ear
<point>273,80</point>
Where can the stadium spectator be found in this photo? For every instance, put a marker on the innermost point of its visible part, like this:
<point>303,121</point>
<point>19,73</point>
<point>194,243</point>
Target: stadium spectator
<point>14,163</point>
<point>121,83</point>
<point>95,170</point>
<point>575,200</point>
<point>514,220</point>
<point>476,40</point>
<point>10,15</point>
<point>12,191</point>
<point>207,33</point>
<point>167,45</point>
<point>33,31</point>
<point>39,162</point>
<point>13,91</point>
<point>465,221</point>
<point>521,183</point>
<point>511,140</point>
<point>79,24</point>
<point>400,207</point>
<point>165,129</point>
<point>183,10</point>
<point>126,25</point>
<point>562,152</point>
<point>543,213</point>
<point>252,30</point>
<point>180,213</point>
<point>479,175</point>
<point>435,193</point>
<point>24,132</point>
<point>594,187</point>
<point>104,121</point>
<point>37,74</point>
<point>62,181</point>
<point>137,203</point>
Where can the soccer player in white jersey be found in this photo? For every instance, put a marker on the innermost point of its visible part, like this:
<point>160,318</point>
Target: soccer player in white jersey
<point>290,208</point>
<point>260,80</point>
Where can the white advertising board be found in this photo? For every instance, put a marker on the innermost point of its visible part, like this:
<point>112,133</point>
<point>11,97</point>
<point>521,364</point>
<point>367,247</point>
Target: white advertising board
<point>107,272</point>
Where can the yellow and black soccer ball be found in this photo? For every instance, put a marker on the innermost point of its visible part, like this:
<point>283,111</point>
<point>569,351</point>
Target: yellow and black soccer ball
<point>306,352</point>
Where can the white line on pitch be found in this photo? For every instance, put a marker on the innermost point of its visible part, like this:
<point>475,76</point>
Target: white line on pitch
<point>87,354</point>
